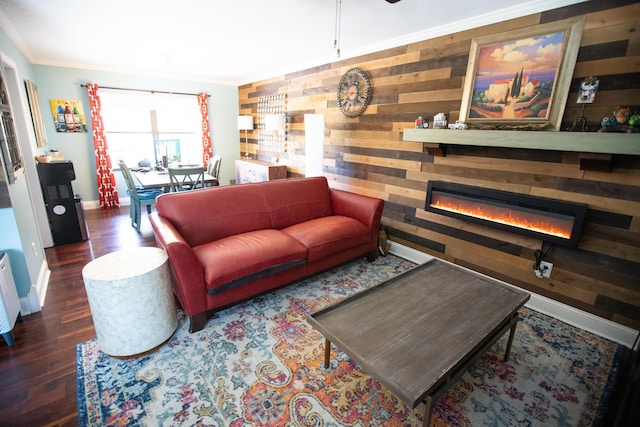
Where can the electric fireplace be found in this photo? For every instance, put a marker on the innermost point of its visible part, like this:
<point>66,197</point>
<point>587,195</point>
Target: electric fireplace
<point>552,221</point>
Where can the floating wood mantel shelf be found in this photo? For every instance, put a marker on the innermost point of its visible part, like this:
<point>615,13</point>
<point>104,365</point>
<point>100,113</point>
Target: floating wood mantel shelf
<point>596,149</point>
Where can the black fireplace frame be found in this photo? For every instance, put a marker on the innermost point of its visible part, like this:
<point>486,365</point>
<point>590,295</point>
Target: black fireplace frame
<point>522,202</point>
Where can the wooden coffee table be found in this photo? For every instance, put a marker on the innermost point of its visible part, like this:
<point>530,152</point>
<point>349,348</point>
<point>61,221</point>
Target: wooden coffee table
<point>420,331</point>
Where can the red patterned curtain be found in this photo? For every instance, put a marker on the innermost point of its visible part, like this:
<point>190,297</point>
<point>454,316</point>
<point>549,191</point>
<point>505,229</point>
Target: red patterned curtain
<point>106,180</point>
<point>203,102</point>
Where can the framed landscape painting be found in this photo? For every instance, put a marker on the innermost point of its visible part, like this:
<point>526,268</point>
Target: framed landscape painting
<point>520,79</point>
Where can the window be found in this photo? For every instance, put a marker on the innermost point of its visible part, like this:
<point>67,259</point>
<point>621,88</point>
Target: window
<point>9,144</point>
<point>133,121</point>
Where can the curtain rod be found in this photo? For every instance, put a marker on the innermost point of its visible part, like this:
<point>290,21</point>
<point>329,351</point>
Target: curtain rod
<point>147,90</point>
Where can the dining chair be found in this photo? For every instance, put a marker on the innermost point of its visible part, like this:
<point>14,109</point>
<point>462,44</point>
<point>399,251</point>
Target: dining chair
<point>139,196</point>
<point>213,169</point>
<point>186,178</point>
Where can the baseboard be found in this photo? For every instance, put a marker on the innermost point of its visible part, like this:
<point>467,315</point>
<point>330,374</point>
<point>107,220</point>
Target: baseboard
<point>589,322</point>
<point>95,204</point>
<point>34,301</point>
<point>42,286</point>
<point>30,303</point>
<point>408,253</point>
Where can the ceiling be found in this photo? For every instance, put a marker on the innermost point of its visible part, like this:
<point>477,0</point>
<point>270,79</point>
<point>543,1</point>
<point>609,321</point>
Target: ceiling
<point>235,41</point>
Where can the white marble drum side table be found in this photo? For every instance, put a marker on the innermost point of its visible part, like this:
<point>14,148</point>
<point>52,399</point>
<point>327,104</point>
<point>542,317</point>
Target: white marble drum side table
<point>131,299</point>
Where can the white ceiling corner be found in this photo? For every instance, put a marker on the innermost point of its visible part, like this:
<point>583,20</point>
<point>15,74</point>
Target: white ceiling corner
<point>233,42</point>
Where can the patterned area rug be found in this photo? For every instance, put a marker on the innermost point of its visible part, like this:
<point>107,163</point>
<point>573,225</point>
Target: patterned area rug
<point>261,364</point>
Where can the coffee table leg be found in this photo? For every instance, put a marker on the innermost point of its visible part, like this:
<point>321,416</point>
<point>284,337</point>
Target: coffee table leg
<point>426,421</point>
<point>514,323</point>
<point>327,352</point>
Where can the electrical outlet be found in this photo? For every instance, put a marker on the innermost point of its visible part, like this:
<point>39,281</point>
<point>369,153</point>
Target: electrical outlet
<point>546,268</point>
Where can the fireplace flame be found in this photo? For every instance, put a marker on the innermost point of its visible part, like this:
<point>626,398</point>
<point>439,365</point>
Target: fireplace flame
<point>507,216</point>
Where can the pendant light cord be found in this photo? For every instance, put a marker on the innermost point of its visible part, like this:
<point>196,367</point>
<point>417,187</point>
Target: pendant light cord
<point>336,35</point>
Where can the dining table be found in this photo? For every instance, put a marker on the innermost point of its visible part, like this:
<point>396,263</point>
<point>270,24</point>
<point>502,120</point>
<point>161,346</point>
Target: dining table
<point>160,179</point>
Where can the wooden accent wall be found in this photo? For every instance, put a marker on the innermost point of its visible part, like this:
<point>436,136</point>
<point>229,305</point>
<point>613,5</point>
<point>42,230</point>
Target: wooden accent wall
<point>367,155</point>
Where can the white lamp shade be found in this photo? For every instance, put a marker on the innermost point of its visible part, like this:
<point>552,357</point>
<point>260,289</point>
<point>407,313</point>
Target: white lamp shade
<point>274,122</point>
<point>245,122</point>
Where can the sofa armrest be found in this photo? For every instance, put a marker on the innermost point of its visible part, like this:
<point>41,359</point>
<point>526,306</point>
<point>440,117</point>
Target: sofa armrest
<point>164,231</point>
<point>188,272</point>
<point>367,210</point>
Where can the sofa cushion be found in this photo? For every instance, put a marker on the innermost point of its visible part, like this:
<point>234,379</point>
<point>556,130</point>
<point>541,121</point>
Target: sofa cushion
<point>293,201</point>
<point>233,260</point>
<point>328,235</point>
<point>201,216</point>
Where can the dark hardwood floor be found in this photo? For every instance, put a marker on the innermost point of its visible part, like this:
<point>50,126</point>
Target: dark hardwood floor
<point>38,374</point>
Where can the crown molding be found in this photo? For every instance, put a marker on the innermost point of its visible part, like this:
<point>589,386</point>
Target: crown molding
<point>8,28</point>
<point>508,13</point>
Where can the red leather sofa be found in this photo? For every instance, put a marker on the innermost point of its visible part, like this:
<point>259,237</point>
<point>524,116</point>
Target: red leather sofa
<point>228,244</point>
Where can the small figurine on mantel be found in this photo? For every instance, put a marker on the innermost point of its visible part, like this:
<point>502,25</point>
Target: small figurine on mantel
<point>620,121</point>
<point>622,115</point>
<point>607,122</point>
<point>421,123</point>
<point>459,124</point>
<point>634,123</point>
<point>440,121</point>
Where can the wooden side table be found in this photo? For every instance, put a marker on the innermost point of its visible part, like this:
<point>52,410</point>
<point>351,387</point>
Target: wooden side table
<point>131,299</point>
<point>251,170</point>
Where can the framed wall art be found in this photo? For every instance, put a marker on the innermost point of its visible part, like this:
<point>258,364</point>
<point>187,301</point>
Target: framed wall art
<point>520,79</point>
<point>9,144</point>
<point>68,115</point>
<point>36,113</point>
